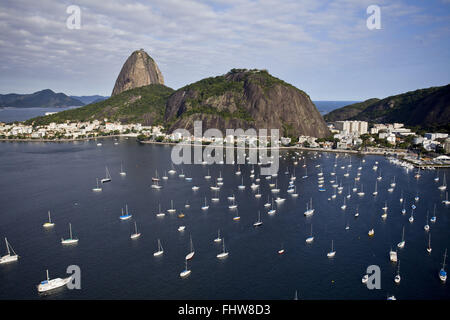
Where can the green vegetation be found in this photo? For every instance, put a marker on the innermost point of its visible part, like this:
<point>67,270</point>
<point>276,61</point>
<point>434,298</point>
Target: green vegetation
<point>424,109</point>
<point>145,105</point>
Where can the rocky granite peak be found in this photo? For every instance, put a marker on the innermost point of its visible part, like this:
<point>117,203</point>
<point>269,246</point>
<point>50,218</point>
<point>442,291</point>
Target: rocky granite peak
<point>139,70</point>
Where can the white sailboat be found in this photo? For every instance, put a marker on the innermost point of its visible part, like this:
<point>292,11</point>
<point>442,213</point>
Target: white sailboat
<point>97,189</point>
<point>218,239</point>
<point>49,223</point>
<point>70,240</point>
<point>241,186</point>
<point>186,272</point>
<point>357,212</point>
<point>224,253</point>
<point>442,272</point>
<point>427,226</point>
<point>236,217</point>
<point>122,173</point>
<point>51,284</point>
<point>344,206</point>
<point>401,244</point>
<point>433,218</point>
<point>9,257</point>
<point>107,177</point>
<point>310,239</point>
<point>136,234</point>
<point>444,184</point>
<point>446,201</point>
<point>411,218</point>
<point>205,207</point>
<point>126,215</point>
<point>160,250</point>
<point>376,191</point>
<point>429,243</point>
<point>258,222</point>
<point>397,277</point>
<point>233,205</point>
<point>160,214</point>
<point>192,252</point>
<point>309,211</point>
<point>172,209</point>
<point>208,176</point>
<point>361,192</point>
<point>332,253</point>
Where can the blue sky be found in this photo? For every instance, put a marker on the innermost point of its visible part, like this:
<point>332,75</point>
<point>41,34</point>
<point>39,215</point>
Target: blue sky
<point>322,47</point>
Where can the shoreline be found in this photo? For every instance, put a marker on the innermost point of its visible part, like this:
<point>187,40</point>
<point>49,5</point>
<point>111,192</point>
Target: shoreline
<point>400,154</point>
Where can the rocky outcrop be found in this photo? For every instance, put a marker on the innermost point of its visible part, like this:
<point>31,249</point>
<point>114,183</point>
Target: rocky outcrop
<point>245,99</point>
<point>139,70</point>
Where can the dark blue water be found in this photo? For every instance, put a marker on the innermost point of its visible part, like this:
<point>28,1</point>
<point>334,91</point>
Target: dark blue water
<point>37,177</point>
<point>22,114</point>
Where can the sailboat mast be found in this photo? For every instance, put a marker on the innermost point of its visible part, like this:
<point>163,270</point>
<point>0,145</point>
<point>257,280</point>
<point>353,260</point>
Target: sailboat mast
<point>7,246</point>
<point>70,229</point>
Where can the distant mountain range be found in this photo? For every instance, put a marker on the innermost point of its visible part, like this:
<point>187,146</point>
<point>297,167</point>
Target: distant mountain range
<point>46,99</point>
<point>90,99</point>
<point>40,99</point>
<point>424,108</point>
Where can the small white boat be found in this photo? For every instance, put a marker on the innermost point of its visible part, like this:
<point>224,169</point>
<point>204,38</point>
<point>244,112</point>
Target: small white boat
<point>401,244</point>
<point>97,189</point>
<point>195,188</point>
<point>160,249</point>
<point>444,184</point>
<point>361,192</point>
<point>205,207</point>
<point>309,211</point>
<point>186,272</point>
<point>310,239</point>
<point>218,239</point>
<point>357,213</point>
<point>126,215</point>
<point>181,228</point>
<point>172,209</point>
<point>446,201</point>
<point>9,257</point>
<point>371,232</point>
<point>49,223</point>
<point>160,214</point>
<point>136,234</point>
<point>242,186</point>
<point>365,278</point>
<point>107,177</point>
<point>208,176</point>
<point>426,227</point>
<point>397,277</point>
<point>279,200</point>
<point>70,240</point>
<point>442,272</point>
<point>376,191</point>
<point>181,175</point>
<point>51,284</point>
<point>344,206</point>
<point>122,173</point>
<point>224,253</point>
<point>258,222</point>
<point>332,253</point>
<point>190,255</point>
<point>429,243</point>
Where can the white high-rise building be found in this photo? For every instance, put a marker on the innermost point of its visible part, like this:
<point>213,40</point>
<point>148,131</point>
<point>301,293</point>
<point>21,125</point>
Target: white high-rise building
<point>359,127</point>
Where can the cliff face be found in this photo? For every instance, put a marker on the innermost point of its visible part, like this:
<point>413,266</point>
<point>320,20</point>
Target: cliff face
<point>139,70</point>
<point>245,99</point>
